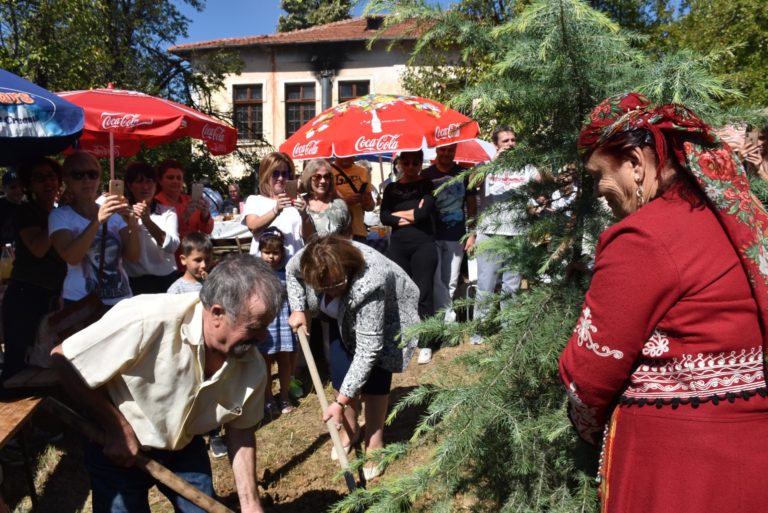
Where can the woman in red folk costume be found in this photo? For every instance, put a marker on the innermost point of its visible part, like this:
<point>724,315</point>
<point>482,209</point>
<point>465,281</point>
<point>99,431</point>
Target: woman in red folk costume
<point>665,366</point>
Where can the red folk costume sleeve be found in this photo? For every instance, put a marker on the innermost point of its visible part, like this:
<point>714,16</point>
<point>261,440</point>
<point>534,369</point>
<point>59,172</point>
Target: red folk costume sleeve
<point>635,282</point>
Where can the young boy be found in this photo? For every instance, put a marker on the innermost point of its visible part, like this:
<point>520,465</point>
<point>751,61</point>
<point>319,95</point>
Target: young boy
<point>196,255</point>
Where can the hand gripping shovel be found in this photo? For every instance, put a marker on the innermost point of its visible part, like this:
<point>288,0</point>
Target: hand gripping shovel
<point>317,382</point>
<point>153,468</point>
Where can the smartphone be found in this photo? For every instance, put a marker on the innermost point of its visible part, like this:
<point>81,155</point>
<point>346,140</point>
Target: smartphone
<point>292,188</point>
<point>197,191</point>
<point>751,137</point>
<point>117,187</point>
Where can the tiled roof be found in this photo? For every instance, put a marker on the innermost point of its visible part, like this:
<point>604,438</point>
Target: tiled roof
<point>354,29</point>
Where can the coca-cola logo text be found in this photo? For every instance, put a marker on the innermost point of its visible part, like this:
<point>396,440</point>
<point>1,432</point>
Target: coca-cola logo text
<point>448,132</point>
<point>119,120</point>
<point>386,142</point>
<point>213,133</point>
<point>305,150</point>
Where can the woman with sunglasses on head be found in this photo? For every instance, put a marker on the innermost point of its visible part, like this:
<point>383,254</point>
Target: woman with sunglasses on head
<point>193,214</point>
<point>274,207</point>
<point>38,271</point>
<point>76,232</point>
<point>408,206</point>
<point>155,270</point>
<point>368,301</point>
<point>329,213</point>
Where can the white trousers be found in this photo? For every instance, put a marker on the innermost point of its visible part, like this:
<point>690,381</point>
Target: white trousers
<point>489,271</point>
<point>449,255</point>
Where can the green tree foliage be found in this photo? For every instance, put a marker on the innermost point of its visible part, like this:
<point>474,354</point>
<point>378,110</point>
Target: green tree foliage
<point>737,30</point>
<point>732,31</point>
<point>82,44</point>
<point>308,13</point>
<point>495,425</point>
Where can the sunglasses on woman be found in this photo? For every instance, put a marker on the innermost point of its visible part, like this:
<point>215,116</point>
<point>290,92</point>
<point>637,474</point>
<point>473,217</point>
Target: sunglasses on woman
<point>319,178</point>
<point>79,174</point>
<point>285,174</point>
<point>342,283</point>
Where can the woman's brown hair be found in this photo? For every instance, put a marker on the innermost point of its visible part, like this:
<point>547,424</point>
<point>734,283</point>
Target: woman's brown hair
<point>325,256</point>
<point>269,164</point>
<point>312,167</point>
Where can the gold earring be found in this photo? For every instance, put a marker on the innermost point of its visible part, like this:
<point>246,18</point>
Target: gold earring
<point>639,194</point>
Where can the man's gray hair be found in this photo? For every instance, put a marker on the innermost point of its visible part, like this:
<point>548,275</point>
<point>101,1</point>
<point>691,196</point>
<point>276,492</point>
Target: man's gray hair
<point>236,279</point>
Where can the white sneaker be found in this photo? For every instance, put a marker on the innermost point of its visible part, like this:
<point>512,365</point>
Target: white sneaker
<point>475,340</point>
<point>425,355</point>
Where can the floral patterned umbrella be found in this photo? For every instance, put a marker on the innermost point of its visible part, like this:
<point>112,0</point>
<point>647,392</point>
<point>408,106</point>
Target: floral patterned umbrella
<point>379,123</point>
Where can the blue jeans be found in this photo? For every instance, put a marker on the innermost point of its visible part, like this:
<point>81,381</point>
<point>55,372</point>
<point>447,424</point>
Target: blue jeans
<point>124,490</point>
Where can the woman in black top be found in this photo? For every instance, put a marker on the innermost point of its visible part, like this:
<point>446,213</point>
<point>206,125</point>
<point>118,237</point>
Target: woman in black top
<point>38,271</point>
<point>407,207</point>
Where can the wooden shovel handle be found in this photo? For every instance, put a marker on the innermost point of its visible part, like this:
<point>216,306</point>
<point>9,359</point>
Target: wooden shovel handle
<point>155,469</point>
<point>318,383</point>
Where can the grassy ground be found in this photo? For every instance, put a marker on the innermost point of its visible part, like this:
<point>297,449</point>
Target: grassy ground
<point>295,471</point>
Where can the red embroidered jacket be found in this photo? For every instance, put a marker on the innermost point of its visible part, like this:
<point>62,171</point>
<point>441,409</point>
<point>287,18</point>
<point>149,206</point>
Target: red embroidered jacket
<point>669,318</point>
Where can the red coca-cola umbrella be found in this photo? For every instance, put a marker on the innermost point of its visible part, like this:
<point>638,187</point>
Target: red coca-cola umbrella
<point>119,122</point>
<point>471,152</point>
<point>379,123</point>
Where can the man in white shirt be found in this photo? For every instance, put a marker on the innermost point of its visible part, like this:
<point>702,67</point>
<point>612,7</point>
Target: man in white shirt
<point>157,372</point>
<point>497,223</point>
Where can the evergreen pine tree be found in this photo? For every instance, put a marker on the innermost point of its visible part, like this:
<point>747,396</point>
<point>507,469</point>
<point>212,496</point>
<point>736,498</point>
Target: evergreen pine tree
<point>495,420</point>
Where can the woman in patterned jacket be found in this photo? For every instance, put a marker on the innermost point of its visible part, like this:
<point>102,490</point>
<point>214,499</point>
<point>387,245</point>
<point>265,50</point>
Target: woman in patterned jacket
<point>368,300</point>
<point>665,366</point>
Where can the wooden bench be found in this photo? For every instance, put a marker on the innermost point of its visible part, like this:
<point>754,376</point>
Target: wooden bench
<point>14,414</point>
<point>222,247</point>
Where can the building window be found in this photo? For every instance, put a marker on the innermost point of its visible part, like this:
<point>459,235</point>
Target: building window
<point>351,90</point>
<point>248,101</point>
<point>299,106</point>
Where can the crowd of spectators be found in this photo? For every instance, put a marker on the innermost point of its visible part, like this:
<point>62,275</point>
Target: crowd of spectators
<point>309,253</point>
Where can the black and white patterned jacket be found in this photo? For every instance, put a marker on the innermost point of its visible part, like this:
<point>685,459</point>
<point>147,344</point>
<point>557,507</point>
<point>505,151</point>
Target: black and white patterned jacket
<point>381,301</point>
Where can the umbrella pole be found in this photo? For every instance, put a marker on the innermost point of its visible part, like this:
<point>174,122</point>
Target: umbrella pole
<point>318,383</point>
<point>381,168</point>
<point>111,155</point>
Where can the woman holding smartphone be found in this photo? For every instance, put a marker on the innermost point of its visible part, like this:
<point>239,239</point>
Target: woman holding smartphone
<point>274,206</point>
<point>192,210</point>
<point>155,270</point>
<point>328,211</point>
<point>76,232</point>
<point>38,271</point>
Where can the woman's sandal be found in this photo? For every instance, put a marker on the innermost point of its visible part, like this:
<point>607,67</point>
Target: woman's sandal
<point>347,448</point>
<point>371,472</point>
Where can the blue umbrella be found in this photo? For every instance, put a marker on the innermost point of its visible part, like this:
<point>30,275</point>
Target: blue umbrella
<point>34,122</point>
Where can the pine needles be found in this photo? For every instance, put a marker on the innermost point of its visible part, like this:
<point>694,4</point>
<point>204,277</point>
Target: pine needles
<point>495,424</point>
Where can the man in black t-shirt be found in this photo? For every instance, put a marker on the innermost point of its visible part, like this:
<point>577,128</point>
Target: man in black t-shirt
<point>450,224</point>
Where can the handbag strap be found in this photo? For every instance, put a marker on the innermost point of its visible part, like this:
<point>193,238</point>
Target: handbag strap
<point>346,177</point>
<point>102,252</point>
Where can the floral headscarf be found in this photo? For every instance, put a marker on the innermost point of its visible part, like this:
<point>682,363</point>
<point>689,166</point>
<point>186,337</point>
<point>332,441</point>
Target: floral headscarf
<point>701,152</point>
